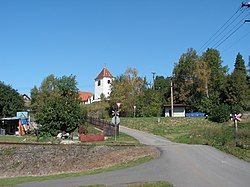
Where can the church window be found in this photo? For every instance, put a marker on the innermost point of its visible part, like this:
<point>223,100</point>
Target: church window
<point>109,81</point>
<point>99,83</point>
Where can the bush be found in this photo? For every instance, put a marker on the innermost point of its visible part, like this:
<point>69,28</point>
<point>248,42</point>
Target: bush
<point>220,113</point>
<point>57,105</point>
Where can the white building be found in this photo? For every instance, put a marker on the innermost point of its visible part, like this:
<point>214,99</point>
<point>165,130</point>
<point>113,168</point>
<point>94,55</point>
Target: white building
<point>179,110</point>
<point>102,88</point>
<point>103,84</point>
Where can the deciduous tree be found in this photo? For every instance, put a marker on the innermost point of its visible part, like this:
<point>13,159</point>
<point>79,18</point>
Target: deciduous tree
<point>10,101</point>
<point>125,89</point>
<point>217,72</point>
<point>183,78</point>
<point>57,105</point>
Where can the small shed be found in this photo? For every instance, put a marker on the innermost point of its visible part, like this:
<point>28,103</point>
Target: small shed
<point>179,110</point>
<point>10,125</point>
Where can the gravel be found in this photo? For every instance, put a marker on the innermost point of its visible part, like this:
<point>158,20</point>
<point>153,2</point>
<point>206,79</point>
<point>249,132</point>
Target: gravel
<point>26,160</point>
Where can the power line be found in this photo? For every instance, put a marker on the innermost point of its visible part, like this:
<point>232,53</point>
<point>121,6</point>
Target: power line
<point>226,28</point>
<point>211,38</point>
<point>230,32</point>
<point>238,40</point>
<point>229,35</point>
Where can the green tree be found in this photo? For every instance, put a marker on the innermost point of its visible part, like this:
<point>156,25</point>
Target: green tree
<point>39,95</point>
<point>125,89</point>
<point>149,103</point>
<point>162,85</point>
<point>217,74</point>
<point>184,77</point>
<point>10,101</point>
<point>211,76</point>
<point>220,113</point>
<point>237,90</point>
<point>57,105</point>
<point>202,74</point>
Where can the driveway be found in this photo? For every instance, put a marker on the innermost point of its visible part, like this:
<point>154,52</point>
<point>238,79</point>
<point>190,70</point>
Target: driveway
<point>180,164</point>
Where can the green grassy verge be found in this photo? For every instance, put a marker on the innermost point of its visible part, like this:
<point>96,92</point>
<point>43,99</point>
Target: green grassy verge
<point>146,184</point>
<point>13,138</point>
<point>120,139</point>
<point>17,180</point>
<point>197,131</point>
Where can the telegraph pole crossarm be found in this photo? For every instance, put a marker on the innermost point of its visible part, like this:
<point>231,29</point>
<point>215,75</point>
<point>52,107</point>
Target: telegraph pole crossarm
<point>245,4</point>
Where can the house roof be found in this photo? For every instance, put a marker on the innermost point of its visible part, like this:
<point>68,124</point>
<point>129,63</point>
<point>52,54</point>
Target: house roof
<point>84,96</point>
<point>176,105</point>
<point>25,96</point>
<point>104,73</point>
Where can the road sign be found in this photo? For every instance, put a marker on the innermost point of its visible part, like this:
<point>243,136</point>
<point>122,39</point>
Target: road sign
<point>118,105</point>
<point>115,113</point>
<point>236,117</point>
<point>116,120</point>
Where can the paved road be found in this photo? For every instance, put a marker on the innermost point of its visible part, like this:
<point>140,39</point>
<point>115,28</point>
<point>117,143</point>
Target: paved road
<point>180,164</point>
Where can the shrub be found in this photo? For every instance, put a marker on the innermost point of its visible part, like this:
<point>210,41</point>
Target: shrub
<point>220,113</point>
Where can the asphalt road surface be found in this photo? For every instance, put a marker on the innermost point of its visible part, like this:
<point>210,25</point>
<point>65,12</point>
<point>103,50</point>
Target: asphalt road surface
<point>180,164</point>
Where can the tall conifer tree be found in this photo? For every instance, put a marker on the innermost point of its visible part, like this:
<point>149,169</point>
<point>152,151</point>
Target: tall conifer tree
<point>236,88</point>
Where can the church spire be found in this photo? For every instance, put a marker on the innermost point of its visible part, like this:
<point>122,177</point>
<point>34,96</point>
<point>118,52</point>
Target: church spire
<point>104,73</point>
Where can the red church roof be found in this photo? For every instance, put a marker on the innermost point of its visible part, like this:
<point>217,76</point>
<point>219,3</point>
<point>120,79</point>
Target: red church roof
<point>104,73</point>
<point>84,96</point>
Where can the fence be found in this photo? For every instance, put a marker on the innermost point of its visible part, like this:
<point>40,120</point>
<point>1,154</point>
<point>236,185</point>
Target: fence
<point>107,127</point>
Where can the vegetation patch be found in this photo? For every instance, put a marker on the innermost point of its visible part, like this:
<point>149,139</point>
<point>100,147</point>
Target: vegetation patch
<point>12,138</point>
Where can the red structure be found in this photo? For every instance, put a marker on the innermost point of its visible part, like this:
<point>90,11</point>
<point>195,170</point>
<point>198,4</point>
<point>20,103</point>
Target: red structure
<point>91,137</point>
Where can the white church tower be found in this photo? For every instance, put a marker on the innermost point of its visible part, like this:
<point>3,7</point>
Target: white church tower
<point>103,84</point>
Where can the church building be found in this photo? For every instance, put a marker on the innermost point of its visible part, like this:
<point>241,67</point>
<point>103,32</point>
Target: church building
<point>103,84</point>
<point>102,88</point>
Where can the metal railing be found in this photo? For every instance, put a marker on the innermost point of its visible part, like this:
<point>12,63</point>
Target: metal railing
<point>107,127</point>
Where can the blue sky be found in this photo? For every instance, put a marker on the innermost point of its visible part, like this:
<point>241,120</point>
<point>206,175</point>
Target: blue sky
<point>80,37</point>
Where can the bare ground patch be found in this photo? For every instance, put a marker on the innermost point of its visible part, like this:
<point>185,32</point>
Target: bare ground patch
<point>25,160</point>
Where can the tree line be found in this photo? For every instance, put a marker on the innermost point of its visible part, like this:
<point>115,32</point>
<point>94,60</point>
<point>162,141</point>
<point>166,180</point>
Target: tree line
<point>202,83</point>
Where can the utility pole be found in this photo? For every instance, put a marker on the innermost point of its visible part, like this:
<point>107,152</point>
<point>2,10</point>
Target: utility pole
<point>153,85</point>
<point>172,98</point>
<point>245,4</point>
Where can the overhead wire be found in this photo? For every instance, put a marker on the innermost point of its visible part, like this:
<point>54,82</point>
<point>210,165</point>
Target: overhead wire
<point>214,36</point>
<point>229,35</point>
<point>230,32</point>
<point>238,40</point>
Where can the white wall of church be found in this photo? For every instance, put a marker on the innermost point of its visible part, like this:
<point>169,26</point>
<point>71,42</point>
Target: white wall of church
<point>102,86</point>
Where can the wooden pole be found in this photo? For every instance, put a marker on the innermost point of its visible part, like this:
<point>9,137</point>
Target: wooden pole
<point>172,99</point>
<point>236,131</point>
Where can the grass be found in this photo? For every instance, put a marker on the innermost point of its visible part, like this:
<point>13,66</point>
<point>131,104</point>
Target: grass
<point>198,131</point>
<point>144,184</point>
<point>17,180</point>
<point>121,139</point>
<point>13,138</point>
